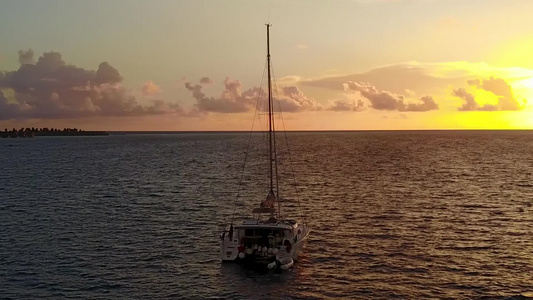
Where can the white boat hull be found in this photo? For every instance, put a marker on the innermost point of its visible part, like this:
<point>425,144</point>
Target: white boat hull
<point>243,248</point>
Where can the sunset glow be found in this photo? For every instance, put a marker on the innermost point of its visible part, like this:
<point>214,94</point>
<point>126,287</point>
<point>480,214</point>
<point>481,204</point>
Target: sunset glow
<point>186,65</point>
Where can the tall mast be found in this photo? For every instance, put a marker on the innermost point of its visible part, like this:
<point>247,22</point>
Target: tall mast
<point>270,125</point>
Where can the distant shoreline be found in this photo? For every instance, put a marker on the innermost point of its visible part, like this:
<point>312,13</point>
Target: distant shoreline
<point>79,133</point>
<point>34,132</point>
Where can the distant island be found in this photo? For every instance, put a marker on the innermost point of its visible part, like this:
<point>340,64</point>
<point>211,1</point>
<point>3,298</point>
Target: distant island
<point>32,132</point>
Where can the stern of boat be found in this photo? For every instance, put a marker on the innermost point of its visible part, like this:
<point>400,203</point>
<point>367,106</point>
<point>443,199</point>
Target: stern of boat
<point>229,246</point>
<point>301,237</point>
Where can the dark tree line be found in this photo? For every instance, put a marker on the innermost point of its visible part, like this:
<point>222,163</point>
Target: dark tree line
<point>30,132</point>
<point>44,129</point>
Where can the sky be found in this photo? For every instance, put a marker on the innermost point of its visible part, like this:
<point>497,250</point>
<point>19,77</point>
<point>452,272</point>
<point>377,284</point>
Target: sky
<point>200,65</point>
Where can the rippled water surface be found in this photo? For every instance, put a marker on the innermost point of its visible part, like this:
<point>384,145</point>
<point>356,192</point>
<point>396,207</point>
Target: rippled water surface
<point>393,215</point>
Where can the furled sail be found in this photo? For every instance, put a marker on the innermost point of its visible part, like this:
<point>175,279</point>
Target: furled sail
<point>269,201</point>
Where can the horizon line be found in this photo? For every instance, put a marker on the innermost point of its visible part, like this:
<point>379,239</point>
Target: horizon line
<point>341,130</point>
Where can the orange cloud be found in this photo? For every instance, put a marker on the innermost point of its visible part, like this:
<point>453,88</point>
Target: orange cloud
<point>150,88</point>
<point>340,105</point>
<point>498,87</point>
<point>234,100</point>
<point>386,100</point>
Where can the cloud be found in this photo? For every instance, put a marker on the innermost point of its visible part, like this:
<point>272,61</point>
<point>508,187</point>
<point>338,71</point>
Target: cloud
<point>292,99</point>
<point>423,78</point>
<point>340,105</point>
<point>386,100</point>
<point>470,103</point>
<point>231,99</point>
<point>26,57</point>
<point>412,78</point>
<point>50,88</point>
<point>50,61</point>
<point>107,74</point>
<point>497,86</point>
<point>205,80</point>
<point>234,100</point>
<point>383,100</point>
<point>428,103</point>
<point>150,88</point>
<point>500,88</point>
<point>7,109</point>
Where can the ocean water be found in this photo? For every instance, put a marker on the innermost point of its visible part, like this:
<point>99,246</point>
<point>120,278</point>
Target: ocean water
<point>408,214</point>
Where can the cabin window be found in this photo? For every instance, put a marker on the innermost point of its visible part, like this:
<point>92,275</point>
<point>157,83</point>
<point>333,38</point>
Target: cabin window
<point>264,232</point>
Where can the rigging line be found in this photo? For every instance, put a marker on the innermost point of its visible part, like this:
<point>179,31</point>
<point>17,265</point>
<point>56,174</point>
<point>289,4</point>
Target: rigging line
<point>277,173</point>
<point>275,148</point>
<point>289,155</point>
<point>270,119</point>
<point>256,113</point>
<point>274,138</point>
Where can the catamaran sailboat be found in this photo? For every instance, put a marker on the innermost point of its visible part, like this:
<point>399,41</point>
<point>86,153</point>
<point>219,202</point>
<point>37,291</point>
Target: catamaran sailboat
<point>267,238</point>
